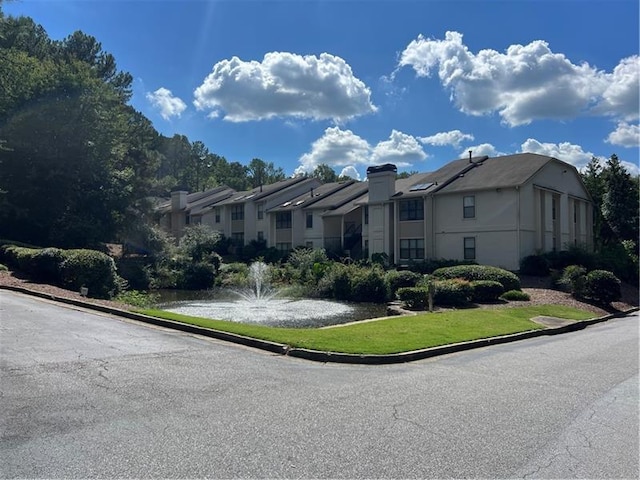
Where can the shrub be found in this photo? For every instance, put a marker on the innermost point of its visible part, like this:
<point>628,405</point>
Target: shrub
<point>486,291</point>
<point>367,285</point>
<point>413,298</point>
<point>509,281</point>
<point>47,265</point>
<point>536,265</point>
<point>396,279</point>
<point>454,292</point>
<point>199,241</point>
<point>602,286</point>
<point>137,298</point>
<point>515,295</point>
<point>196,276</point>
<point>3,268</point>
<point>92,269</point>
<point>136,271</point>
<point>573,280</point>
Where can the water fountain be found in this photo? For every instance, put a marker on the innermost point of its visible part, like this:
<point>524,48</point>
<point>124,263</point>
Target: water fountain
<point>263,304</point>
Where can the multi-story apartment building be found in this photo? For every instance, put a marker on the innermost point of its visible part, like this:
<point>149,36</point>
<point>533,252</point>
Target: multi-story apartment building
<point>491,210</point>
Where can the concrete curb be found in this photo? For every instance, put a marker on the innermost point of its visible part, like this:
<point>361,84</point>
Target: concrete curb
<point>320,356</point>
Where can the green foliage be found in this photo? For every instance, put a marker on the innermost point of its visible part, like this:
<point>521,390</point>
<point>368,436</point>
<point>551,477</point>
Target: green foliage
<point>413,298</point>
<point>47,265</point>
<point>3,268</point>
<point>137,298</point>
<point>91,269</point>
<point>516,295</point>
<point>485,291</point>
<point>573,280</point>
<point>602,286</point>
<point>452,292</point>
<point>396,279</point>
<point>536,265</point>
<point>137,271</point>
<point>199,242</point>
<point>368,285</point>
<point>509,280</point>
<point>196,276</point>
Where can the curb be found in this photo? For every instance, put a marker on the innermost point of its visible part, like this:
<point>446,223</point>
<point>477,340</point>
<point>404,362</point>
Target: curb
<point>317,355</point>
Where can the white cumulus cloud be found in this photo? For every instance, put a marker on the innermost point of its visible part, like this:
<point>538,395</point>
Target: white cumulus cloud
<point>168,105</point>
<point>284,85</point>
<point>526,82</point>
<point>401,149</point>
<point>343,148</point>
<point>481,150</point>
<point>441,139</point>
<point>351,172</point>
<point>625,135</point>
<point>336,147</point>
<point>565,151</point>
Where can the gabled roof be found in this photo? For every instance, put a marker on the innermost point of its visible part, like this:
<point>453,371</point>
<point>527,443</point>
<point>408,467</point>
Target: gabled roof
<point>264,191</point>
<point>199,200</point>
<point>499,172</point>
<point>320,193</point>
<point>344,201</point>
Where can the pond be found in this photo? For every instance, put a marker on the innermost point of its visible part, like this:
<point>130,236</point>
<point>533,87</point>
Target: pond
<point>271,310</point>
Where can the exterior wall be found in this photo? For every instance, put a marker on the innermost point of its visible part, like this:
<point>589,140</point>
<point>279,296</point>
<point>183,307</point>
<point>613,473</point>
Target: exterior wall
<point>332,227</point>
<point>494,227</point>
<point>314,235</point>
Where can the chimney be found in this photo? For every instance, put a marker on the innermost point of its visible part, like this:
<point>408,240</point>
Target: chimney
<point>178,200</point>
<point>382,182</point>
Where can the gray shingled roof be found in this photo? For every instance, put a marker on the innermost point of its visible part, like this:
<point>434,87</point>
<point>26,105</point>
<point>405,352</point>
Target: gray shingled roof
<point>498,172</point>
<point>200,199</point>
<point>264,191</point>
<point>314,195</point>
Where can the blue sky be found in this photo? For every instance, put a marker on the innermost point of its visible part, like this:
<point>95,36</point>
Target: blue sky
<point>357,83</point>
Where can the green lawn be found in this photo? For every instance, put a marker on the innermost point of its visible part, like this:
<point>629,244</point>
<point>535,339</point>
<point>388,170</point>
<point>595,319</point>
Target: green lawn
<point>396,334</point>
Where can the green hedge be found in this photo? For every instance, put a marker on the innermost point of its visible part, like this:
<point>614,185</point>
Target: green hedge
<point>509,281</point>
<point>516,295</point>
<point>70,269</point>
<point>396,279</point>
<point>602,286</point>
<point>452,292</point>
<point>486,291</point>
<point>92,269</point>
<point>414,298</point>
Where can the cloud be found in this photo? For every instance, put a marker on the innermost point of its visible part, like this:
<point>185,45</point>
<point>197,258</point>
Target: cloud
<point>336,147</point>
<point>343,148</point>
<point>284,85</point>
<point>481,150</point>
<point>169,105</point>
<point>401,149</point>
<point>350,172</point>
<point>525,83</point>
<point>453,138</point>
<point>625,135</point>
<point>565,151</point>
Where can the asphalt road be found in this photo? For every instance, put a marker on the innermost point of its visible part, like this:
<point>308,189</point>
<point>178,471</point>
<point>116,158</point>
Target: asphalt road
<point>85,395</point>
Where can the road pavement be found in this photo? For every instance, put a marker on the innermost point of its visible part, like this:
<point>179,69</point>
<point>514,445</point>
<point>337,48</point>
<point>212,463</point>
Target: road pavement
<point>86,395</point>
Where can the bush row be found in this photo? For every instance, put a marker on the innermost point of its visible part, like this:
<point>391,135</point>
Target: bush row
<point>471,273</point>
<point>600,286</point>
<point>451,292</point>
<point>620,258</point>
<point>71,269</point>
